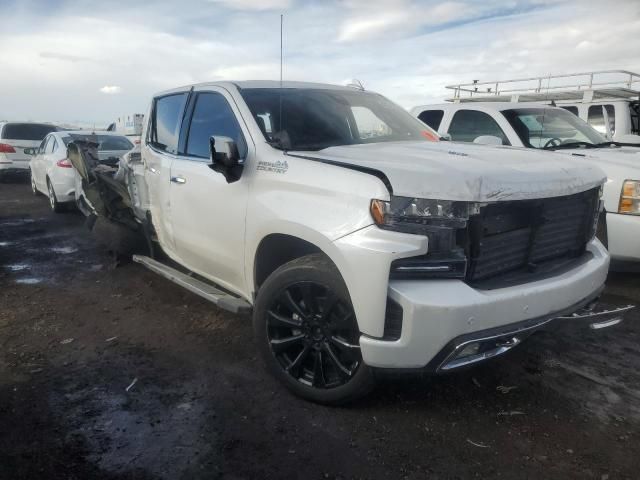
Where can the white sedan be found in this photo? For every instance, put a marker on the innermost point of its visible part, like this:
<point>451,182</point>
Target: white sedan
<point>52,172</point>
<point>18,142</point>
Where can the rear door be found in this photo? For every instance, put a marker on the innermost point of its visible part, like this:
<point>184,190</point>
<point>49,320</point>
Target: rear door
<point>208,214</point>
<point>158,152</point>
<point>41,162</point>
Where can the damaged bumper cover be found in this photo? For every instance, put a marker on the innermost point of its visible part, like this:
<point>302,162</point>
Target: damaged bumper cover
<point>468,350</point>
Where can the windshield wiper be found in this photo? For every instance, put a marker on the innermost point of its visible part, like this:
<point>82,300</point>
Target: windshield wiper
<point>570,145</point>
<point>607,144</point>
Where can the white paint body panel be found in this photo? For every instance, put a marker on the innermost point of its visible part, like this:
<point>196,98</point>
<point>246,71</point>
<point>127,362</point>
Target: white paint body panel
<point>438,311</point>
<point>215,228</point>
<point>43,166</point>
<point>618,163</point>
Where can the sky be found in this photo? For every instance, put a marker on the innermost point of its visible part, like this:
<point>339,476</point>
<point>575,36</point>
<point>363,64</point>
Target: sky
<point>92,60</point>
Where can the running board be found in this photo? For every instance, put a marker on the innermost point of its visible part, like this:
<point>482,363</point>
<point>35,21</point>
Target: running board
<point>205,290</point>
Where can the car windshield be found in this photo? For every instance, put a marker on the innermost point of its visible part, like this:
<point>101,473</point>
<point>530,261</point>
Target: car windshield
<point>27,131</point>
<point>552,128</point>
<point>634,108</point>
<point>105,142</point>
<point>313,119</point>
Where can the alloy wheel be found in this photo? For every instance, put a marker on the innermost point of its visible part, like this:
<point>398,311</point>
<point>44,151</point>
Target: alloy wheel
<point>314,336</point>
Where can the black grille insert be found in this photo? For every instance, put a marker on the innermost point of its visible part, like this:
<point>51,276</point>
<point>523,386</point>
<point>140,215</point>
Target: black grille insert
<point>526,234</point>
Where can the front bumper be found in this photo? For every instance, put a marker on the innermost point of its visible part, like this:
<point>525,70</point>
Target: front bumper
<point>438,312</point>
<point>623,235</point>
<point>469,349</point>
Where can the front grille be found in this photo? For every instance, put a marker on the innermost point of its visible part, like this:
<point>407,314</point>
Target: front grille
<point>526,234</point>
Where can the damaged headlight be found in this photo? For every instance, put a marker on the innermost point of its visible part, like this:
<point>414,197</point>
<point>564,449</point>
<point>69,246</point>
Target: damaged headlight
<point>630,197</point>
<point>442,221</point>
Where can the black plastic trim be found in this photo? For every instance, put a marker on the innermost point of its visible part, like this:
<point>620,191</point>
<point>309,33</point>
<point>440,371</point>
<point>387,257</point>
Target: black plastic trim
<point>350,166</point>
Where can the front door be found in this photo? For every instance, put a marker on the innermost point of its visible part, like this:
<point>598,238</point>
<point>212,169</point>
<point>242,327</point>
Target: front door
<point>208,214</point>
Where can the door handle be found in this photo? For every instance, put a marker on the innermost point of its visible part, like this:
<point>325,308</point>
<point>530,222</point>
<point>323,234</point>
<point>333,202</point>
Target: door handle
<point>153,169</point>
<point>179,180</point>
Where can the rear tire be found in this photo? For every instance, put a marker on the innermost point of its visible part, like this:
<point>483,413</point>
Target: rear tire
<point>34,188</point>
<point>307,332</point>
<point>56,206</point>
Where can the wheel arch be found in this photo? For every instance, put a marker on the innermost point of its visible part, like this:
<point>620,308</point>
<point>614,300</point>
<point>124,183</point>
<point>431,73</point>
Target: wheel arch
<point>279,246</point>
<point>276,249</point>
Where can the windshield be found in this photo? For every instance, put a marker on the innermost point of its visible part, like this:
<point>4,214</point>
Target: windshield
<point>635,117</point>
<point>27,131</point>
<point>105,142</point>
<point>313,119</point>
<point>551,128</point>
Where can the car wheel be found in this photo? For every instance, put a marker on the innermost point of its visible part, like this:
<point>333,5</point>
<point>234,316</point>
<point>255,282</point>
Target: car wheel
<point>307,332</point>
<point>34,188</point>
<point>53,201</point>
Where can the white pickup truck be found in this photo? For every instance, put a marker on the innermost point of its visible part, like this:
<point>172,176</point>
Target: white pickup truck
<point>549,128</point>
<point>357,241</point>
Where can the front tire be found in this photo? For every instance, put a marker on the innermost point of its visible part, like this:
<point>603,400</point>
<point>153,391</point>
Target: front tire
<point>307,332</point>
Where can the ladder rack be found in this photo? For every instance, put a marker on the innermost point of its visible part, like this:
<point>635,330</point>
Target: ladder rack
<point>579,87</point>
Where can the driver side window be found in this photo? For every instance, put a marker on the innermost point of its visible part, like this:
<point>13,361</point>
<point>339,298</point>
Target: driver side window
<point>467,125</point>
<point>212,116</point>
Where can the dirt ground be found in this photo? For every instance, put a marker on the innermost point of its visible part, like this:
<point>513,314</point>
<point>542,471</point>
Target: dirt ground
<point>113,372</point>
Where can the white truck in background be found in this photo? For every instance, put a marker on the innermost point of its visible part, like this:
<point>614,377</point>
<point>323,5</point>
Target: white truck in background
<point>553,129</point>
<point>357,241</point>
<point>129,125</point>
<point>609,100</point>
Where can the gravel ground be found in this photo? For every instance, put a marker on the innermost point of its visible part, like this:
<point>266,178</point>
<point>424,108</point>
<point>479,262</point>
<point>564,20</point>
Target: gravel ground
<point>113,372</point>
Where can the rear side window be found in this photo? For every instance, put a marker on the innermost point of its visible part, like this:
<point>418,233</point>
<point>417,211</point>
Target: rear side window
<point>596,118</point>
<point>573,110</point>
<point>165,122</point>
<point>105,142</point>
<point>26,131</point>
<point>467,125</point>
<point>50,145</point>
<point>212,116</point>
<point>432,118</point>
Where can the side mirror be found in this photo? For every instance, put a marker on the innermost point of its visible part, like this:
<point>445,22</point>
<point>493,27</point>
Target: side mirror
<point>445,137</point>
<point>225,158</point>
<point>488,140</point>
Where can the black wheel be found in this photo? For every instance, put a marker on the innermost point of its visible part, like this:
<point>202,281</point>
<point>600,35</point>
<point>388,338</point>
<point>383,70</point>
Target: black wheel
<point>56,206</point>
<point>307,332</point>
<point>34,189</point>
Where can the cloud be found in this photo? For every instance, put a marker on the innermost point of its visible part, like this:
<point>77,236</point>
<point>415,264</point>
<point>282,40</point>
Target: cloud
<point>368,27</point>
<point>64,57</point>
<point>407,50</point>
<point>111,89</point>
<point>254,4</point>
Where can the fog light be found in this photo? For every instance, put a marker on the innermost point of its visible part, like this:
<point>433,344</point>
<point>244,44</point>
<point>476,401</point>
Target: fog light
<point>473,352</point>
<point>471,349</point>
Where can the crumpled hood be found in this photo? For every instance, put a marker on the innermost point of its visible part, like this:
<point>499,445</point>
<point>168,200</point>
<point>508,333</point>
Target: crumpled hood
<point>468,172</point>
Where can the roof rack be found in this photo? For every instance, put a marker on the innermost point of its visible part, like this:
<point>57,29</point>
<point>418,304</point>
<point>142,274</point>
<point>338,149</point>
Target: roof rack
<point>578,87</point>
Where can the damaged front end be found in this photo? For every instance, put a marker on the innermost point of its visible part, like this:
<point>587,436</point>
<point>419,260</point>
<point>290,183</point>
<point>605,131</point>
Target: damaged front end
<point>107,198</point>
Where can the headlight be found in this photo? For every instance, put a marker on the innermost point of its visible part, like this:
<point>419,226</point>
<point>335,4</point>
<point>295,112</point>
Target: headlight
<point>444,222</point>
<point>630,197</point>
